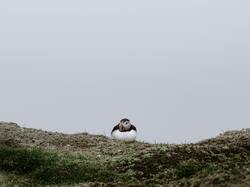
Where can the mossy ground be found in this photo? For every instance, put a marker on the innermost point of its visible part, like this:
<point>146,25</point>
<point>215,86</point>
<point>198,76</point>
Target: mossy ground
<point>30,157</point>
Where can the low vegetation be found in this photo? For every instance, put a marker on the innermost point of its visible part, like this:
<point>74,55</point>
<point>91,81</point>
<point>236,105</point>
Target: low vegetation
<point>30,157</point>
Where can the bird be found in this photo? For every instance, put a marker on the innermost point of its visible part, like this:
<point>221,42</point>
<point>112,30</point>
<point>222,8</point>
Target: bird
<point>124,131</point>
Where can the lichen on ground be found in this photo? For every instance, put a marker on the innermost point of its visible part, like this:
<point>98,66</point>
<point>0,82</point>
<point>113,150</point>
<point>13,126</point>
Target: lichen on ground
<point>30,157</point>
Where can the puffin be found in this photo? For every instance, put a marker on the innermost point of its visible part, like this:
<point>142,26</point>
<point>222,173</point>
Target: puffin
<point>124,131</point>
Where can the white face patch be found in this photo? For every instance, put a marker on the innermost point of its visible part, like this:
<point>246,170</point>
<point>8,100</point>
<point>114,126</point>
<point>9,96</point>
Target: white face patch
<point>126,125</point>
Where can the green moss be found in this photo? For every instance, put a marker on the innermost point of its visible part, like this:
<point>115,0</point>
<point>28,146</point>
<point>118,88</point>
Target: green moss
<point>49,167</point>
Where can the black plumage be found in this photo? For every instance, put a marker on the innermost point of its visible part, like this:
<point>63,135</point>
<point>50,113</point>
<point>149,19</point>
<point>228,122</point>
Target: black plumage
<point>132,127</point>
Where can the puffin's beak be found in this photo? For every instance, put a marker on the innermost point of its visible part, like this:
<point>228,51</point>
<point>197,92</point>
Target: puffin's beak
<point>120,127</point>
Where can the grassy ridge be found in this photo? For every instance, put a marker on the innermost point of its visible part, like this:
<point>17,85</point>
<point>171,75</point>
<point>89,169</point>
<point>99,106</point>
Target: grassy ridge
<point>44,167</point>
<point>86,160</point>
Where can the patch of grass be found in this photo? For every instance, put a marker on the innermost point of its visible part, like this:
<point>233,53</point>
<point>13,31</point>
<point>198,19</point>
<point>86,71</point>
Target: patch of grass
<point>9,180</point>
<point>188,168</point>
<point>54,168</point>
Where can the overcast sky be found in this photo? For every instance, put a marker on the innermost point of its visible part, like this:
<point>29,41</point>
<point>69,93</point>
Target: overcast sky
<point>180,70</point>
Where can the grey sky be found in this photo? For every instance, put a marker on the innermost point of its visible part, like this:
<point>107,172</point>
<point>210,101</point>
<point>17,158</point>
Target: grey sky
<point>180,70</point>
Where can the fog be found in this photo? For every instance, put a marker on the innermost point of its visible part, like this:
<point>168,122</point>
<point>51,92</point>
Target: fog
<point>179,70</point>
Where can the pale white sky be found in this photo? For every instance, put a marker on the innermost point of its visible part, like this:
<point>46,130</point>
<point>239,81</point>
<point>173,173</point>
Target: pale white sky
<point>180,70</point>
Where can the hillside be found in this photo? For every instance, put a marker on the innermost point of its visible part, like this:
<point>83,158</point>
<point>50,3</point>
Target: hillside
<point>30,157</point>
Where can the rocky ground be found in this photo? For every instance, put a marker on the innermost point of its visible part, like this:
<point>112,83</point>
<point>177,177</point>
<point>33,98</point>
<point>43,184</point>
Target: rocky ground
<point>31,157</point>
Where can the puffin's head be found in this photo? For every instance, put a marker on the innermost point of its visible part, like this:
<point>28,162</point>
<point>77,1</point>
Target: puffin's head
<point>124,124</point>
